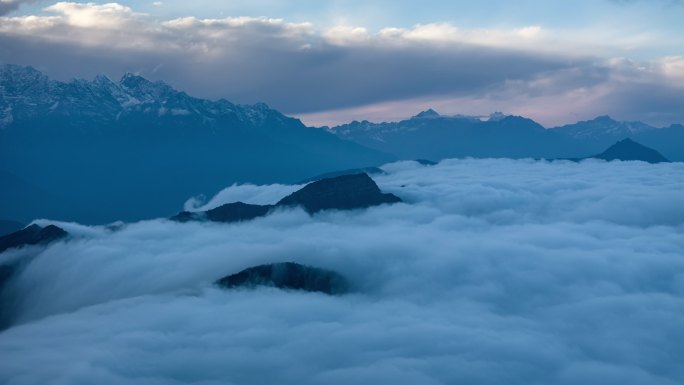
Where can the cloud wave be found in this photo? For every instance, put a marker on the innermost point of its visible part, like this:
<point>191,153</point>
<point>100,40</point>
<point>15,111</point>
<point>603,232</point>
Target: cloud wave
<point>495,271</point>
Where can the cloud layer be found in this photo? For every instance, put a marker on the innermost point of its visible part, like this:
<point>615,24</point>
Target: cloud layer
<point>329,75</point>
<point>494,271</point>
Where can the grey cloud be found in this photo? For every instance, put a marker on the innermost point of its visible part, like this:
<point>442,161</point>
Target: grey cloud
<point>7,6</point>
<point>298,80</point>
<point>495,271</point>
<point>294,67</point>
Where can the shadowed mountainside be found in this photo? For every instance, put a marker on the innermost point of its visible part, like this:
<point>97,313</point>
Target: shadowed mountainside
<point>134,149</point>
<point>628,149</point>
<point>31,235</point>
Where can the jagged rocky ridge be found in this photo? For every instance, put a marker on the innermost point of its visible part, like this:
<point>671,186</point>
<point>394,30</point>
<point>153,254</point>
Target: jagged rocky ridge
<point>288,275</point>
<point>345,192</point>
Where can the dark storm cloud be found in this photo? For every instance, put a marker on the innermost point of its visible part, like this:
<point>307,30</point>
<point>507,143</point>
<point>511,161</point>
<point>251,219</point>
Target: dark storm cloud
<point>495,271</point>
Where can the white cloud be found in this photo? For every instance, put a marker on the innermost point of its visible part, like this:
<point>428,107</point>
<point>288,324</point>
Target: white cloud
<point>344,35</point>
<point>555,75</point>
<point>91,15</point>
<point>246,193</point>
<point>446,33</point>
<point>494,271</point>
<point>673,67</point>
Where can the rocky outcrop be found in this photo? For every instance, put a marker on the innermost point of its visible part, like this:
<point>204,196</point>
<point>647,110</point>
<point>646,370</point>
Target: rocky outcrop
<point>345,192</point>
<point>31,235</point>
<point>290,276</point>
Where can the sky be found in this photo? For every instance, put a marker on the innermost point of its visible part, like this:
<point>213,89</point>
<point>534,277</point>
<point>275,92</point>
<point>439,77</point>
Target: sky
<point>331,62</point>
<point>483,276</point>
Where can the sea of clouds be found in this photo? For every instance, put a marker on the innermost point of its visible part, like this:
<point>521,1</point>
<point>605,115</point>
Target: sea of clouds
<point>491,272</point>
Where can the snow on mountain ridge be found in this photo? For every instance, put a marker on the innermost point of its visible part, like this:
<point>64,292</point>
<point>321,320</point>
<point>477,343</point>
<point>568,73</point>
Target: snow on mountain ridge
<point>603,126</point>
<point>26,93</point>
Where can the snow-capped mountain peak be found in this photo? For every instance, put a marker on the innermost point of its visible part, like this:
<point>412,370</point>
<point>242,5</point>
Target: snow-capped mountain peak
<point>27,94</point>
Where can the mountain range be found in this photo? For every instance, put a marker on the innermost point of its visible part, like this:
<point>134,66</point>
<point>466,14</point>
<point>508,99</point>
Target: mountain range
<point>102,150</point>
<point>433,136</point>
<point>97,151</point>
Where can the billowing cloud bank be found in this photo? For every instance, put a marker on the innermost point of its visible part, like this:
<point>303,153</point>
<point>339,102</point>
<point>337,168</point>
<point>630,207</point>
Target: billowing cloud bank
<point>494,272</point>
<point>331,74</point>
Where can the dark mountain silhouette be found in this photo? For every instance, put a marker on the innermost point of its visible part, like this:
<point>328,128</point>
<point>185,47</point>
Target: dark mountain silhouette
<point>345,192</point>
<point>31,235</point>
<point>603,131</point>
<point>288,275</point>
<point>628,149</point>
<point>144,148</point>
<point>429,135</point>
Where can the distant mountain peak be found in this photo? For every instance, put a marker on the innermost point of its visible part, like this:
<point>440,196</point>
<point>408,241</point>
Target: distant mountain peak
<point>130,76</point>
<point>12,76</point>
<point>133,81</point>
<point>604,118</point>
<point>145,90</point>
<point>627,149</point>
<point>627,142</point>
<point>604,127</point>
<point>427,114</point>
